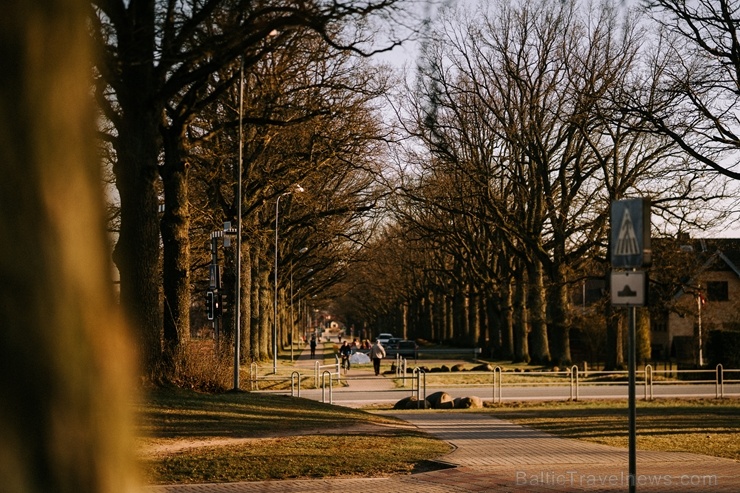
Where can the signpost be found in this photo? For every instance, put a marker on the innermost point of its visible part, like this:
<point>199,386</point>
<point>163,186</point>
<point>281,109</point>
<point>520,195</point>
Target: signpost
<point>630,234</point>
<point>629,288</point>
<point>630,251</point>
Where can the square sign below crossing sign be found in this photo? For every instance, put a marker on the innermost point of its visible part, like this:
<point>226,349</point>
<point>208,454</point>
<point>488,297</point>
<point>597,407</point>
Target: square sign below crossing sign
<point>629,288</point>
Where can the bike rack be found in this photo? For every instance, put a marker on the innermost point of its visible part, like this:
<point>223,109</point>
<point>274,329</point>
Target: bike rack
<point>317,367</point>
<point>719,381</point>
<point>418,372</point>
<point>574,383</point>
<point>648,382</point>
<point>497,371</point>
<point>323,387</point>
<point>253,376</point>
<point>292,384</point>
<point>401,369</point>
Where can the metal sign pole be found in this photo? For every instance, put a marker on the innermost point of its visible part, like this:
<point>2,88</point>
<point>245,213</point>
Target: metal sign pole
<point>632,410</point>
<point>630,250</point>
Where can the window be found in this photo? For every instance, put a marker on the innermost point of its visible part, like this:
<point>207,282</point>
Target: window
<point>717,291</point>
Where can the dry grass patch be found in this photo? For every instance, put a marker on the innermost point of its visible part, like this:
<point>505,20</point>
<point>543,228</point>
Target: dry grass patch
<point>190,437</point>
<point>703,426</point>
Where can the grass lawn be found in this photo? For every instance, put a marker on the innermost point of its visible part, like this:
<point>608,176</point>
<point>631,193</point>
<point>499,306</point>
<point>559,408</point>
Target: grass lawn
<point>703,426</point>
<point>190,437</point>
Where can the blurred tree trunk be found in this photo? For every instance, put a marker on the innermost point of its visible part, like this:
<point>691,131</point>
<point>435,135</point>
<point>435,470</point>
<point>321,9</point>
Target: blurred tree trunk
<point>65,363</point>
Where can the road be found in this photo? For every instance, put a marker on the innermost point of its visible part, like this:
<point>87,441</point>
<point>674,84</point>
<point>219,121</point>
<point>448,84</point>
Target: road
<point>367,389</point>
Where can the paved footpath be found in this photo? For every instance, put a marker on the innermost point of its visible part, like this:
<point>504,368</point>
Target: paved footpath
<point>493,455</point>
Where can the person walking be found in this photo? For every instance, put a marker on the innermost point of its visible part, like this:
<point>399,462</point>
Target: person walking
<point>377,353</point>
<point>345,352</point>
<point>313,347</point>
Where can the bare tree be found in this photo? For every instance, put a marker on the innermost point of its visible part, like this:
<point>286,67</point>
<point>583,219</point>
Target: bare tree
<point>311,118</point>
<point>156,75</point>
<point>698,71</point>
<point>525,127</point>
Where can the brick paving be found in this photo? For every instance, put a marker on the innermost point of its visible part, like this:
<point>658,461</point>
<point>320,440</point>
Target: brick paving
<point>493,455</point>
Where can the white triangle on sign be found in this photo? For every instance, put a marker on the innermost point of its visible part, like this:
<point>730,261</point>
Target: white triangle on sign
<point>627,240</point>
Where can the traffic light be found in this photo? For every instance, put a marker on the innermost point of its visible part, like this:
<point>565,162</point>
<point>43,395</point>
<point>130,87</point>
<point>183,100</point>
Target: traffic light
<point>210,305</point>
<point>217,308</point>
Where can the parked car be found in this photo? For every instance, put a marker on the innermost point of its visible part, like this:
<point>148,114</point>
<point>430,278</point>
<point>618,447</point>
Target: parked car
<point>384,337</point>
<point>393,342</point>
<point>407,348</point>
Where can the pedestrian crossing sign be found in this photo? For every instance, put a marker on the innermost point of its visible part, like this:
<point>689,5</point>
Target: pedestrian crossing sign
<point>630,234</point>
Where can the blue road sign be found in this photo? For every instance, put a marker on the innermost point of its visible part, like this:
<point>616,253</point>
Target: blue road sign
<point>630,234</point>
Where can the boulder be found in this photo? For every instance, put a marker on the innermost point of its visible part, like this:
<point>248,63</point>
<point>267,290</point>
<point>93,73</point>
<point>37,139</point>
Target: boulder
<point>441,400</point>
<point>402,403</point>
<point>483,367</point>
<point>458,367</point>
<point>472,402</point>
<point>411,403</point>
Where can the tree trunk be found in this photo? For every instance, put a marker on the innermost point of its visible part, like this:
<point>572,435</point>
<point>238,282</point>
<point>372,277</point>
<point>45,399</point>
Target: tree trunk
<point>614,358</point>
<point>254,302</point>
<point>66,368</point>
<point>266,315</point>
<point>560,326</point>
<point>539,349</point>
<point>440,316</point>
<point>245,352</point>
<point>492,310</point>
<point>507,321</point>
<point>642,342</point>
<point>449,326</point>
<point>137,146</point>
<point>175,227</point>
<point>474,331</point>
<point>459,316</point>
<point>520,322</point>
<point>284,317</point>
<point>137,250</point>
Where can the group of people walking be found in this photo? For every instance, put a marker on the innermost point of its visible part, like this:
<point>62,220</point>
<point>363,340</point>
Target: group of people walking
<point>377,353</point>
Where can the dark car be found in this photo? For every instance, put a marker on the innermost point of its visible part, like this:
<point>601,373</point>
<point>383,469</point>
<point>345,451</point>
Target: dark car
<point>393,343</point>
<point>407,348</point>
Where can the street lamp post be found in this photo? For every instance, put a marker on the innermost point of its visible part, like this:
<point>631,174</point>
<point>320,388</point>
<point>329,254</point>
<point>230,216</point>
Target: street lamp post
<point>699,299</point>
<point>238,300</point>
<point>298,189</point>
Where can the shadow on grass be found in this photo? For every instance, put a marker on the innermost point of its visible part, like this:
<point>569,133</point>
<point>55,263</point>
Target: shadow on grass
<point>706,426</point>
<point>177,413</point>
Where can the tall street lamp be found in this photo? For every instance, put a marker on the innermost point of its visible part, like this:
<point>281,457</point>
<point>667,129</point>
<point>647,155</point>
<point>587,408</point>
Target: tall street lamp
<point>238,253</point>
<point>297,189</point>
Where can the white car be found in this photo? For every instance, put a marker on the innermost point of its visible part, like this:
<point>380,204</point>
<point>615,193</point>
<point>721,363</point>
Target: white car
<point>384,337</point>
